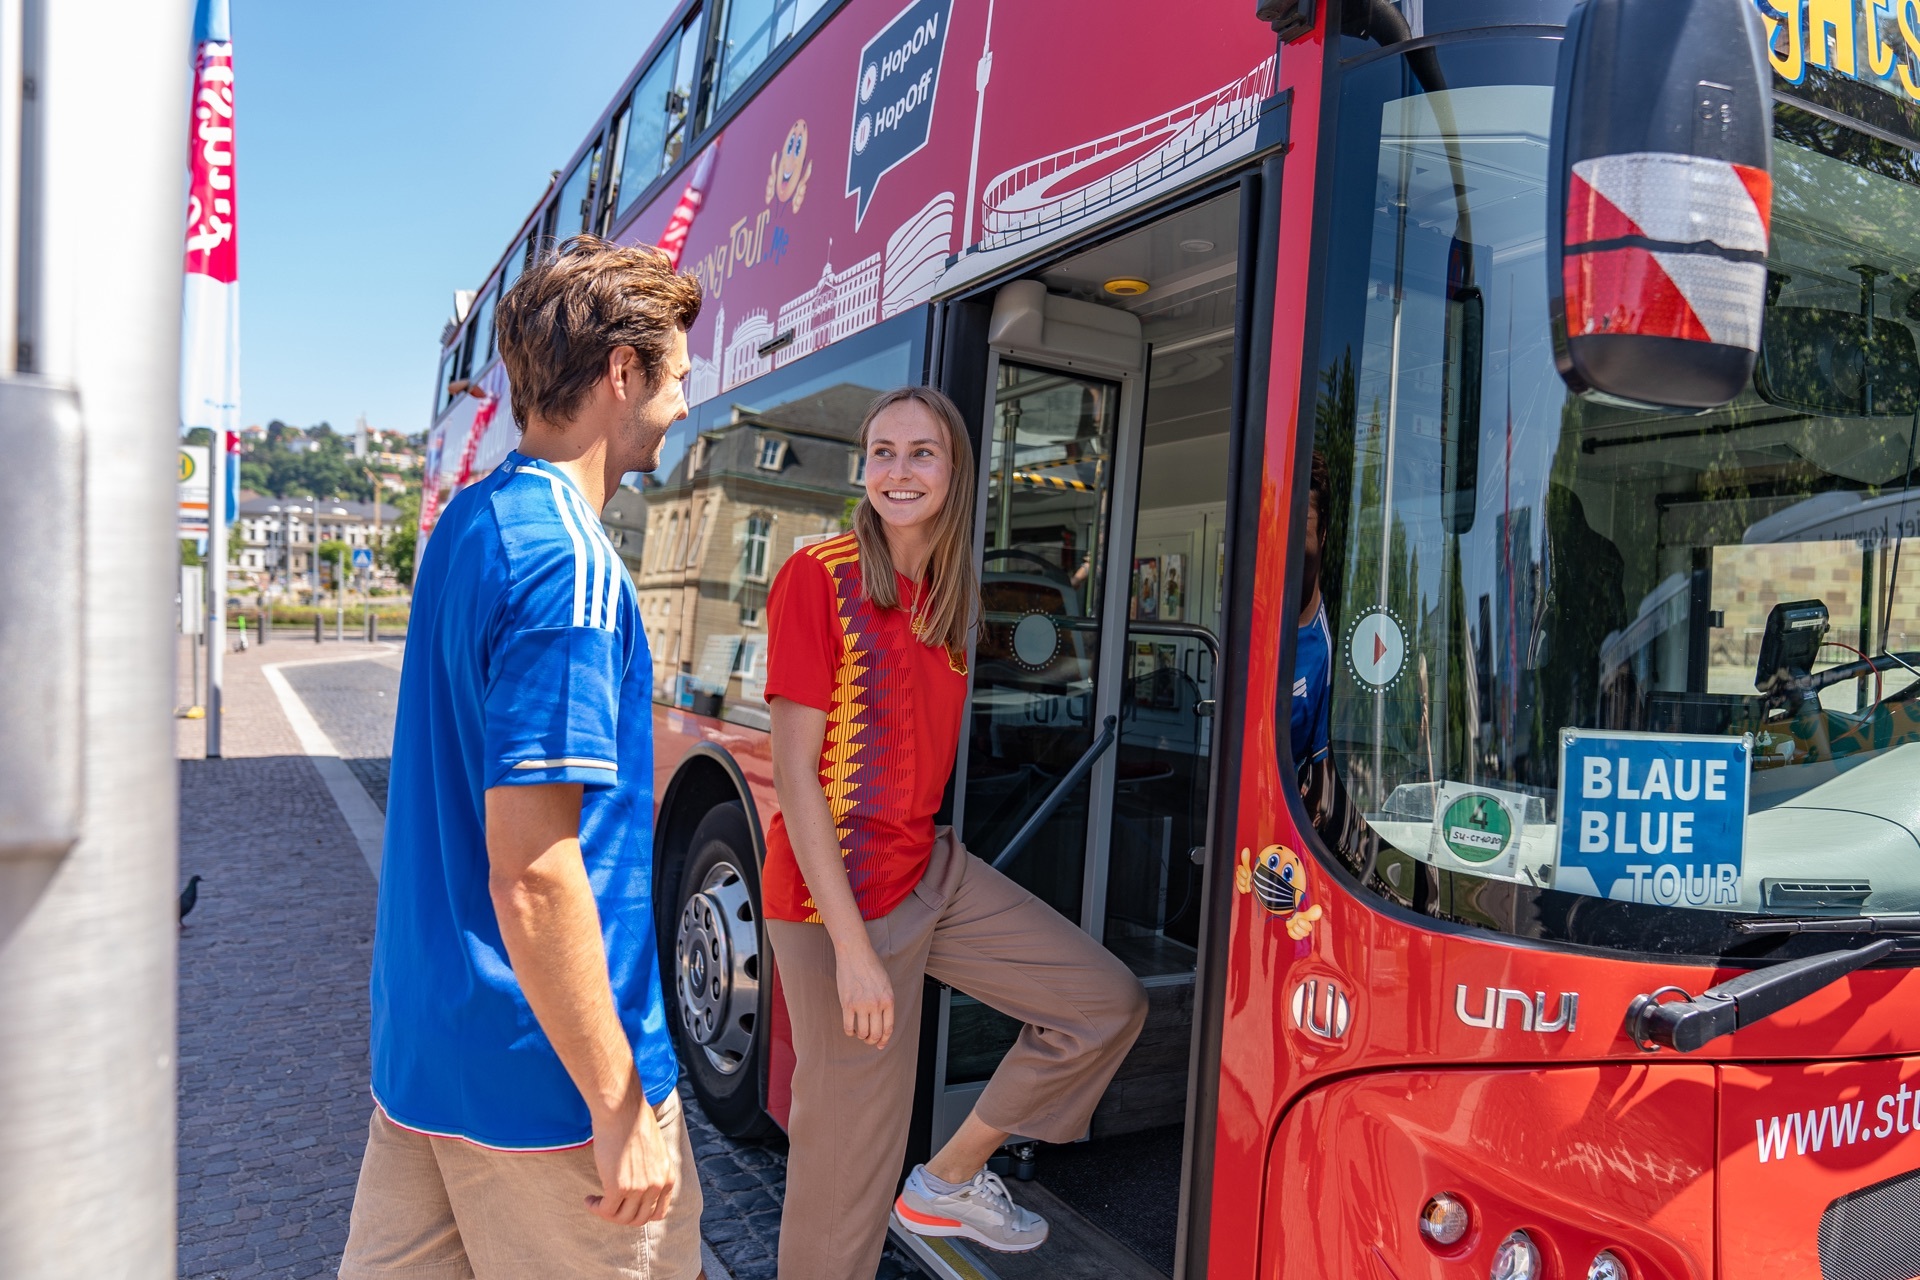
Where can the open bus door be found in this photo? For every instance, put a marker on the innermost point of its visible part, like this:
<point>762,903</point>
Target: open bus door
<point>1106,385</point>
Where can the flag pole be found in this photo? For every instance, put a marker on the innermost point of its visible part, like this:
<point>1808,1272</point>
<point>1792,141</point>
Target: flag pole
<point>210,341</point>
<point>216,577</point>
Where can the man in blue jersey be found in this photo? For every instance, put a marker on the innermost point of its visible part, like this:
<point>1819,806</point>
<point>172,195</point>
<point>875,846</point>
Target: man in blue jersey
<point>1313,647</point>
<point>525,1119</point>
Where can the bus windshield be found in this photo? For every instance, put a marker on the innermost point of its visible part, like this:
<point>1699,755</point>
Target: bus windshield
<point>1579,670</point>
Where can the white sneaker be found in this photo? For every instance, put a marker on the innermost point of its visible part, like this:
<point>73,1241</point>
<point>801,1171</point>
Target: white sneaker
<point>980,1211</point>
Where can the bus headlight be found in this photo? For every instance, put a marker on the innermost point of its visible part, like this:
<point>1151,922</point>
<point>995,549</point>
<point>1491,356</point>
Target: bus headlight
<point>1606,1265</point>
<point>1517,1258</point>
<point>1444,1220</point>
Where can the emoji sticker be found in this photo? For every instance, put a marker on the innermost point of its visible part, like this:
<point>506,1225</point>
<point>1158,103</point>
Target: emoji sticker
<point>1278,879</point>
<point>791,170</point>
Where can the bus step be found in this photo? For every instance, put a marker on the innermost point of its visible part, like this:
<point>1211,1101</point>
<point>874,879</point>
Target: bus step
<point>1076,1249</point>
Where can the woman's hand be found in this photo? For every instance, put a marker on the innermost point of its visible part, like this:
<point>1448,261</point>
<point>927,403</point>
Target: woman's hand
<point>866,994</point>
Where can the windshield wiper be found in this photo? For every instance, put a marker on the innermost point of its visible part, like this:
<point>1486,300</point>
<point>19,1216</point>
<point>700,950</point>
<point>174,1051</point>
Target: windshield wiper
<point>1906,923</point>
<point>1685,1025</point>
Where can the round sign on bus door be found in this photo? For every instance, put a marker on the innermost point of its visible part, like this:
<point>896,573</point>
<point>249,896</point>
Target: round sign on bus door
<point>1376,648</point>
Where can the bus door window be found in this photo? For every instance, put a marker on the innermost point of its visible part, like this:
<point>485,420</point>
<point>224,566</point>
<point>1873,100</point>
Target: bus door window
<point>1516,579</point>
<point>1043,577</point>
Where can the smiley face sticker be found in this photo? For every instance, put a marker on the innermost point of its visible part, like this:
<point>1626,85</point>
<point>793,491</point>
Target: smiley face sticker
<point>1278,881</point>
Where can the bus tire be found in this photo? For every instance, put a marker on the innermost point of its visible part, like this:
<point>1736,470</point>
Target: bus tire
<point>716,989</point>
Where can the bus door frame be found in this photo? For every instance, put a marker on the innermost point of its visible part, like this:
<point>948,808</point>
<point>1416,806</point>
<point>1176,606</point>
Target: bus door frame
<point>950,1104</point>
<point>961,363</point>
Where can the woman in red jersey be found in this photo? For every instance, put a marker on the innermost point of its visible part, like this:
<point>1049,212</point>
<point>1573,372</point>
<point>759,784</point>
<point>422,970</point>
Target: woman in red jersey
<point>864,896</point>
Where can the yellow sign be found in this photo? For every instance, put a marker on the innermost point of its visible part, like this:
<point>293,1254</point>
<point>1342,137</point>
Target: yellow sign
<point>1875,42</point>
<point>187,465</point>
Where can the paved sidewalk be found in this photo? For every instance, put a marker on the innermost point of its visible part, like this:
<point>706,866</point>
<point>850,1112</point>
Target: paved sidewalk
<point>273,971</point>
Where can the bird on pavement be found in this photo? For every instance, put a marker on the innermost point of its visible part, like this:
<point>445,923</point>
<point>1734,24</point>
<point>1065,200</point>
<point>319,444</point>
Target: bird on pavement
<point>189,896</point>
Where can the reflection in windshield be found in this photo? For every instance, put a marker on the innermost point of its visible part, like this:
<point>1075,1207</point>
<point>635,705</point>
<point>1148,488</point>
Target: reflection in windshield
<point>1589,652</point>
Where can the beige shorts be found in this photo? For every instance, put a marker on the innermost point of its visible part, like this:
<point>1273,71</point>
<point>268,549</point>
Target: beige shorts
<point>443,1209</point>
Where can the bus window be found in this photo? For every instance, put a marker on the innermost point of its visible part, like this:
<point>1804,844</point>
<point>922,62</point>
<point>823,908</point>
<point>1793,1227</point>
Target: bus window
<point>724,524</point>
<point>686,67</point>
<point>1591,672</point>
<point>442,393</point>
<point>575,209</point>
<point>648,113</point>
<point>482,336</point>
<point>748,33</point>
<point>607,199</point>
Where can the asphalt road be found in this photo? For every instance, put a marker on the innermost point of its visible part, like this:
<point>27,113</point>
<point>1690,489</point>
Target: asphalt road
<point>353,702</point>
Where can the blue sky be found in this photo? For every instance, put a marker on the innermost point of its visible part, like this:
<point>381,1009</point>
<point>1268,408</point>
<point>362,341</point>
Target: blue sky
<point>386,152</point>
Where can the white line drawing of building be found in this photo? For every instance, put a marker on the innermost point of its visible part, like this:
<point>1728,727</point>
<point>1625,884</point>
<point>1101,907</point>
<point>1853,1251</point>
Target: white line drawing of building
<point>703,382</point>
<point>838,306</point>
<point>743,361</point>
<point>1047,194</point>
<point>916,255</point>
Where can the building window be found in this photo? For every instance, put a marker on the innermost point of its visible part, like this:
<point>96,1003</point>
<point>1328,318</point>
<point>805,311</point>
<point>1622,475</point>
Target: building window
<point>749,614</point>
<point>857,468</point>
<point>697,545</point>
<point>773,452</point>
<point>669,552</point>
<point>753,556</point>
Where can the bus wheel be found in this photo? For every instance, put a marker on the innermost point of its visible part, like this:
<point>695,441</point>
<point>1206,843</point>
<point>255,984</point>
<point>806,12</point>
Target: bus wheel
<point>715,983</point>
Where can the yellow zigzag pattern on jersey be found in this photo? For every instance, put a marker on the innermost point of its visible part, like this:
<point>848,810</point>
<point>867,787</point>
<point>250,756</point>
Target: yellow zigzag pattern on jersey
<point>840,761</point>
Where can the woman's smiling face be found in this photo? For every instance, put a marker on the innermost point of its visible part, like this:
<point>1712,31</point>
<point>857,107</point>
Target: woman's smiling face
<point>909,465</point>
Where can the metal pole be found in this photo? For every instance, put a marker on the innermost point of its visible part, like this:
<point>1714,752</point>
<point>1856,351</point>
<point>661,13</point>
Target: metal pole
<point>88,934</point>
<point>340,594</point>
<point>216,638</point>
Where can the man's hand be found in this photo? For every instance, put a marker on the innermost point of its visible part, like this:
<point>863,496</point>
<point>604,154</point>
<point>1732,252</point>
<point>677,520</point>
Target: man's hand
<point>866,994</point>
<point>636,1170</point>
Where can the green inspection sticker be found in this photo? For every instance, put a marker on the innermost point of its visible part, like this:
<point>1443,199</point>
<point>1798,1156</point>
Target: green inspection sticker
<point>1476,827</point>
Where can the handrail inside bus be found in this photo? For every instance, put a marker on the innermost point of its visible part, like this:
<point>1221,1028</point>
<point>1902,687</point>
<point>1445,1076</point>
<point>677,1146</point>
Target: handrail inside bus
<point>1109,732</point>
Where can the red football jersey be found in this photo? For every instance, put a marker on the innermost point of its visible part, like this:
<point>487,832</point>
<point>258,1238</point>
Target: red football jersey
<point>894,707</point>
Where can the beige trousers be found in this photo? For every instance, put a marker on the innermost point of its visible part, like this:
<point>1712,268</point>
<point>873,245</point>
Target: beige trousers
<point>970,927</point>
<point>443,1209</point>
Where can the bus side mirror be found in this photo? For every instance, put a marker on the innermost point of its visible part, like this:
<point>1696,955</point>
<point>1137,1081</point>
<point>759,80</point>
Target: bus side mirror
<point>1658,201</point>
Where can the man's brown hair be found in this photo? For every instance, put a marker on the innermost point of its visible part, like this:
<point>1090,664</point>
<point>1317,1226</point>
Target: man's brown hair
<point>568,311</point>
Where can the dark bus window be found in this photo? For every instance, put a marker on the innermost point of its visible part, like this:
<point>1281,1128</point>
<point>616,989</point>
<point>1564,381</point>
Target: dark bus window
<point>448,360</point>
<point>607,202</point>
<point>648,117</point>
<point>575,211</point>
<point>480,333</point>
<point>680,94</point>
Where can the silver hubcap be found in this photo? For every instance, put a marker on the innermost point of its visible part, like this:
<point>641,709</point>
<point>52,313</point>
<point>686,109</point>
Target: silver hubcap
<point>717,968</point>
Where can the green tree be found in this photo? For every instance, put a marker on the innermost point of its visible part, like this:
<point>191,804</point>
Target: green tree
<point>190,553</point>
<point>401,546</point>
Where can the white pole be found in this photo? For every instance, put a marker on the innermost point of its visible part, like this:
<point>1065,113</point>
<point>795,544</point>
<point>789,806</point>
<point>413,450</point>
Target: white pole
<point>216,588</point>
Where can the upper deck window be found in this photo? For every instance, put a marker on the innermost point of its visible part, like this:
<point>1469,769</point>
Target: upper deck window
<point>575,204</point>
<point>746,36</point>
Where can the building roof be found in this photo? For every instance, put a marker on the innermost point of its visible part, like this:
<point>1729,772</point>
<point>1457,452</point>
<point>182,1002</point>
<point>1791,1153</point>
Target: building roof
<point>819,430</point>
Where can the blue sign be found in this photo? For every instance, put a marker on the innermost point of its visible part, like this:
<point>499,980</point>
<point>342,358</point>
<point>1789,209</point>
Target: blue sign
<point>362,558</point>
<point>1656,818</point>
<point>893,98</point>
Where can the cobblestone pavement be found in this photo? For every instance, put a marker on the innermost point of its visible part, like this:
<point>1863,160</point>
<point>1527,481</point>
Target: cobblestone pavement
<point>273,972</point>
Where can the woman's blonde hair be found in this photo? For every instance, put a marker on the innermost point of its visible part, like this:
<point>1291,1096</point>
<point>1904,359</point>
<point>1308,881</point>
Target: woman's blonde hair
<point>952,592</point>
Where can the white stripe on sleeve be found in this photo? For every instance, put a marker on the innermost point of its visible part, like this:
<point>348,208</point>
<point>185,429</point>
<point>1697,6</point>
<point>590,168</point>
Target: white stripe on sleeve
<point>560,490</point>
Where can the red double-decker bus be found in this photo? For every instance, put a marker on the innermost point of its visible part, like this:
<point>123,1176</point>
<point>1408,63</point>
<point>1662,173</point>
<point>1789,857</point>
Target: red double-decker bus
<point>1500,788</point>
